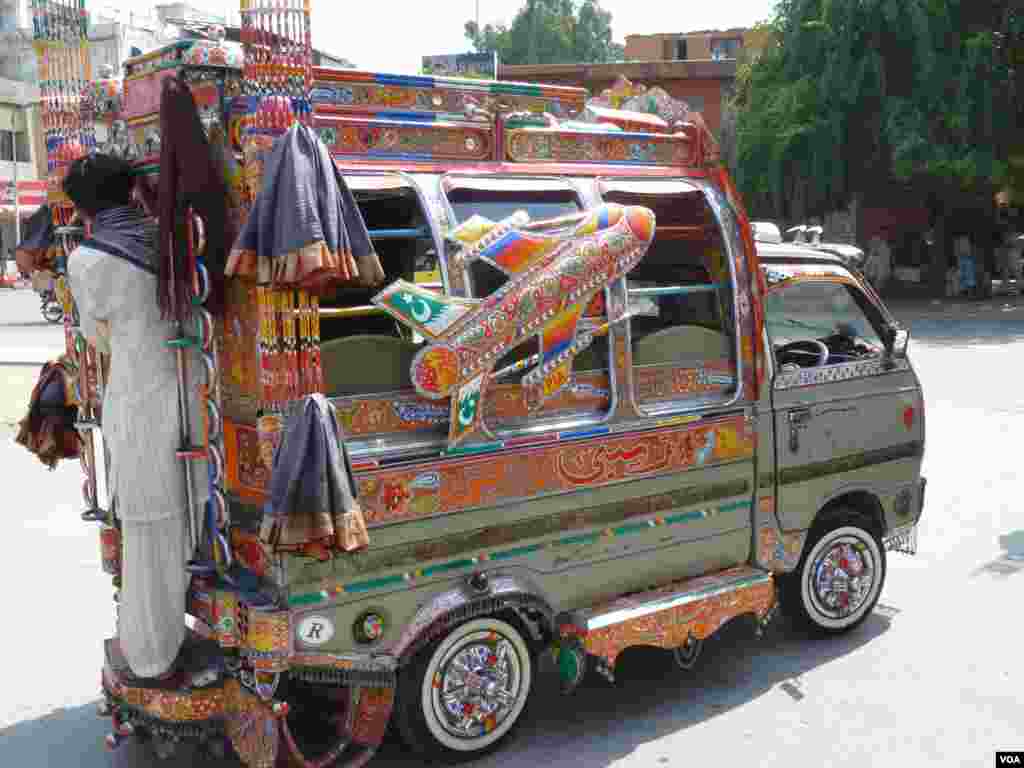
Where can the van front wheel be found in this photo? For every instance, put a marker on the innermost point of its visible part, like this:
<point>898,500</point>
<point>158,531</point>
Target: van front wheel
<point>465,693</point>
<point>839,578</point>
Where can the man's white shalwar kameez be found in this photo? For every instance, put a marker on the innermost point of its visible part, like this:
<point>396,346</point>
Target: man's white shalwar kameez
<point>117,299</point>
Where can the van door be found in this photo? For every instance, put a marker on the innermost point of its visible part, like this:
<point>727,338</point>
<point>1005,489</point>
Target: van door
<point>846,418</point>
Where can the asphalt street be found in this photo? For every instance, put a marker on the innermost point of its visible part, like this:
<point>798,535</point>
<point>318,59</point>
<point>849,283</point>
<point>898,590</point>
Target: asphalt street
<point>934,677</point>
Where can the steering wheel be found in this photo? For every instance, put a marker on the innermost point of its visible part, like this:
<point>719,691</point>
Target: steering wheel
<point>800,348</point>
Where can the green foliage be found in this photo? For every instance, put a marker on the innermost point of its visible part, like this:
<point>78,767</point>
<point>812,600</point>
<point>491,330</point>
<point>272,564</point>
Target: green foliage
<point>551,32</point>
<point>857,91</point>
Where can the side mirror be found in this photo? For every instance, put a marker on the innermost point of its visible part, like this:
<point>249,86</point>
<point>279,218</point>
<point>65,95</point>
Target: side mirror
<point>896,342</point>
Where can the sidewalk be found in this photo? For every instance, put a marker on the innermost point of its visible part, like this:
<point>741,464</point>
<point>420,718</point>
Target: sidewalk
<point>16,382</point>
<point>906,308</point>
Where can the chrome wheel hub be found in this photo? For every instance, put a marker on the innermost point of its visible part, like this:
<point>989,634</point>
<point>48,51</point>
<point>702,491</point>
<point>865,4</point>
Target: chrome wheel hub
<point>843,576</point>
<point>477,685</point>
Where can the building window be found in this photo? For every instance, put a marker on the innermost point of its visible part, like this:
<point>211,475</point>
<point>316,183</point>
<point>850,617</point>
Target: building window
<point>726,48</point>
<point>681,49</point>
<point>21,147</point>
<point>695,103</point>
<point>8,146</point>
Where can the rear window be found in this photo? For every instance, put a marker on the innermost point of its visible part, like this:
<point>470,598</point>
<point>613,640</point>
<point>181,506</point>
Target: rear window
<point>588,396</point>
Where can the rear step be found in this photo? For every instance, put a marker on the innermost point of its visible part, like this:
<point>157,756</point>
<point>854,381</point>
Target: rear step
<point>677,616</point>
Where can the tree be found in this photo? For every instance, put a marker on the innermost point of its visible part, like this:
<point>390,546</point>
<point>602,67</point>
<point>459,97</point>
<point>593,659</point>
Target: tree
<point>852,94</point>
<point>550,32</point>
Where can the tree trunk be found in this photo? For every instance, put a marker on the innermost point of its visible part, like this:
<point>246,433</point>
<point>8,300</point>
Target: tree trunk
<point>939,255</point>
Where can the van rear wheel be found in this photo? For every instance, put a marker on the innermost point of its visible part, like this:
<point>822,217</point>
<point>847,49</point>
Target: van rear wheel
<point>839,579</point>
<point>465,693</point>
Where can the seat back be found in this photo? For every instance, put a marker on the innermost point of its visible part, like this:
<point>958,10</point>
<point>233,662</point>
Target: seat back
<point>680,343</point>
<point>359,365</point>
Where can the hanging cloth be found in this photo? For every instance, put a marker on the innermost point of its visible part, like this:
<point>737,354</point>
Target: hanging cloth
<point>37,250</point>
<point>190,181</point>
<point>48,429</point>
<point>304,230</point>
<point>312,507</point>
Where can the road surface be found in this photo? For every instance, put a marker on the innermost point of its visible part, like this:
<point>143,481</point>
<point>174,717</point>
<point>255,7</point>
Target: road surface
<point>934,677</point>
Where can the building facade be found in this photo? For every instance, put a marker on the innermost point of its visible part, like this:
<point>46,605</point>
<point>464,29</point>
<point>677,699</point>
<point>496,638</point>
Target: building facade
<point>714,45</point>
<point>703,85</point>
<point>696,67</point>
<point>22,144</point>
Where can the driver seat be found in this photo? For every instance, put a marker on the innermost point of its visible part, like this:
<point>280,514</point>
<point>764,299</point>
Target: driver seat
<point>365,364</point>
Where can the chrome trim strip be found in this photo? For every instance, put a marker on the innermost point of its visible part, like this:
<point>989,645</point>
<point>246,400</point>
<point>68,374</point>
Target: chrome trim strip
<point>629,614</point>
<point>828,374</point>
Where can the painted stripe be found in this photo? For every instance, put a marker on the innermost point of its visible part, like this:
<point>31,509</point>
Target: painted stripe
<point>609,517</point>
<point>579,434</point>
<point>807,472</point>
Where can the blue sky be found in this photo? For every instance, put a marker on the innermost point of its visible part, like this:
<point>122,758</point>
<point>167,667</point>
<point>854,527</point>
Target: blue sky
<point>392,35</point>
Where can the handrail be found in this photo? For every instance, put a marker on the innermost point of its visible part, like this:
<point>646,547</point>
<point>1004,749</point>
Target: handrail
<point>367,310</point>
<point>399,234</point>
<point>674,290</point>
<point>364,310</point>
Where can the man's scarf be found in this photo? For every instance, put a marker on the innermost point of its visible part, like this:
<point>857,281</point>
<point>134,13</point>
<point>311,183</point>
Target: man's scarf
<point>126,233</point>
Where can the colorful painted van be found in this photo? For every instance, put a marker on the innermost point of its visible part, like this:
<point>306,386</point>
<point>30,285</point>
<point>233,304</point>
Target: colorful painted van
<point>709,428</point>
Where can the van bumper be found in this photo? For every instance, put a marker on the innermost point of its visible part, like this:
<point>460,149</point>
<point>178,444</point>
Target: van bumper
<point>904,538</point>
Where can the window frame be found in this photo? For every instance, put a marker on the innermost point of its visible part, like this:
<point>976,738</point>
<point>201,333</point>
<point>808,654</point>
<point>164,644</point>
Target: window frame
<point>26,144</point>
<point>684,406</point>
<point>413,183</point>
<point>450,180</point>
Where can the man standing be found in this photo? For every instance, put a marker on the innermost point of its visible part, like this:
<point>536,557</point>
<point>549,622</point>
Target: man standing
<point>113,278</point>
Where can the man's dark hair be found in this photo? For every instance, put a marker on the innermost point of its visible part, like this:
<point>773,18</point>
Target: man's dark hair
<point>97,182</point>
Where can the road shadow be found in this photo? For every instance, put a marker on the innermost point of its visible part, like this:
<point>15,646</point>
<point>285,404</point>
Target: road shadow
<point>600,724</point>
<point>74,737</point>
<point>595,726</point>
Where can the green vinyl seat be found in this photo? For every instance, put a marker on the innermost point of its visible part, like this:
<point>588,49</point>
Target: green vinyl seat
<point>365,364</point>
<point>681,343</point>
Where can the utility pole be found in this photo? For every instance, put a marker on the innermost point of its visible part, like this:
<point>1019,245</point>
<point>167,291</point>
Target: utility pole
<point>14,155</point>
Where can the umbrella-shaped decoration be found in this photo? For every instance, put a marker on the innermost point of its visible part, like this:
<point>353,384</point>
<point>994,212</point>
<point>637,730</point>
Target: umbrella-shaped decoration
<point>304,230</point>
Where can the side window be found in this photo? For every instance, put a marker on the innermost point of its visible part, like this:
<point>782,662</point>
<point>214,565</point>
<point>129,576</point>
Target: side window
<point>681,304</point>
<point>499,204</point>
<point>588,394</point>
<point>816,322</point>
<point>350,327</point>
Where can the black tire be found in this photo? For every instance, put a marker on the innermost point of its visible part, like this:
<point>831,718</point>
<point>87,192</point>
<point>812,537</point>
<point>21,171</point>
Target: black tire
<point>424,721</point>
<point>805,594</point>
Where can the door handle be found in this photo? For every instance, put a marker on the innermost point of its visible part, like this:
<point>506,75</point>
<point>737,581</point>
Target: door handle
<point>799,416</point>
<point>798,419</point>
